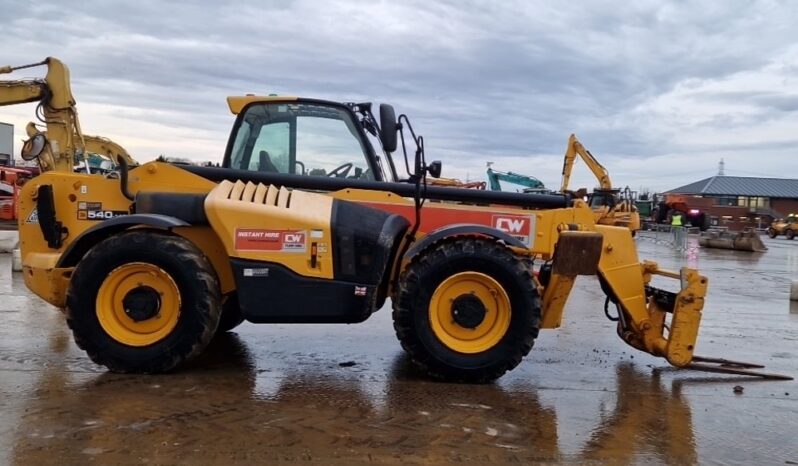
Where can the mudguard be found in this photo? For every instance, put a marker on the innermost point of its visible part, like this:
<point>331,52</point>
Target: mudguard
<point>75,251</point>
<point>462,229</point>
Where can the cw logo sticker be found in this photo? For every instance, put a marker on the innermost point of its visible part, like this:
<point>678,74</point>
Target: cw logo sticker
<point>511,225</point>
<point>295,238</point>
<point>521,227</point>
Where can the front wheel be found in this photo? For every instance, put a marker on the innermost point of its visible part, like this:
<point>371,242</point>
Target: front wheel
<point>772,232</point>
<point>789,234</point>
<point>143,301</point>
<point>467,310</point>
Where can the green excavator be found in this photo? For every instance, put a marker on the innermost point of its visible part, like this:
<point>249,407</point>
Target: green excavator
<point>530,183</point>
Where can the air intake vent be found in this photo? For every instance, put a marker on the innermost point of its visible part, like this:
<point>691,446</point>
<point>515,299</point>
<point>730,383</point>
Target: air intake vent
<point>259,194</point>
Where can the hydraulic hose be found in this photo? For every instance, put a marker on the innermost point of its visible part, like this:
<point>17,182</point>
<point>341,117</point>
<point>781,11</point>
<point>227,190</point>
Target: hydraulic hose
<point>123,172</point>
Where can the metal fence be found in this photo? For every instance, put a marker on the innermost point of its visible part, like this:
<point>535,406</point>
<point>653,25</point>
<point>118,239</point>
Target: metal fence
<point>671,236</point>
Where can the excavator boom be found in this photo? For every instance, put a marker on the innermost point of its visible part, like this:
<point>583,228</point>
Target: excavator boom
<point>57,111</point>
<point>103,146</point>
<point>63,142</point>
<point>576,148</point>
<point>495,177</point>
<point>611,206</point>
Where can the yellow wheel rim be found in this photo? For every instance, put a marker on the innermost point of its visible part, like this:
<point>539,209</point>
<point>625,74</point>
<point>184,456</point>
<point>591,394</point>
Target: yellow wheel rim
<point>479,333</point>
<point>144,328</point>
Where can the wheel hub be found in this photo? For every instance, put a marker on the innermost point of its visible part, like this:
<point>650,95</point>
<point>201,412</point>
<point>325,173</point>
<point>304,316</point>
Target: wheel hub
<point>138,304</point>
<point>468,311</point>
<point>142,303</point>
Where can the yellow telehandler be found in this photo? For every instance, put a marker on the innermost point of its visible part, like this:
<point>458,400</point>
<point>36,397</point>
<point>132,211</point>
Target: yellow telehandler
<point>307,222</point>
<point>784,226</point>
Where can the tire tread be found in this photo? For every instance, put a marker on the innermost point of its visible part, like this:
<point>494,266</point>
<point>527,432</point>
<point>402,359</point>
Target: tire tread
<point>207,309</point>
<point>409,285</point>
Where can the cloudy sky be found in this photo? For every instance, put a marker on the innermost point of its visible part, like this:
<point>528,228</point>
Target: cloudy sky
<point>658,91</point>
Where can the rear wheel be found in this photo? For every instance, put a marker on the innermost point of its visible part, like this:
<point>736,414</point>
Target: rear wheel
<point>467,310</point>
<point>143,301</point>
<point>789,234</point>
<point>772,232</point>
<point>703,222</point>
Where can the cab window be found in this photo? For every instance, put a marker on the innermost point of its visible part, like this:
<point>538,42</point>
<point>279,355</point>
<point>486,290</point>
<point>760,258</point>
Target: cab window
<point>300,138</point>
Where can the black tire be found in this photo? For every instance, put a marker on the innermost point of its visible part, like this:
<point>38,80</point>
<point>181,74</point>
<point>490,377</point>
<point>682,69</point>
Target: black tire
<point>772,232</point>
<point>654,215</point>
<point>789,234</point>
<point>232,316</point>
<point>192,274</point>
<point>427,271</point>
<point>704,222</point>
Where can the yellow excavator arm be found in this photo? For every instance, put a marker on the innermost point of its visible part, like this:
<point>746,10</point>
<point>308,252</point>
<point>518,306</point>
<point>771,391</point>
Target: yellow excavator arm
<point>57,148</point>
<point>108,148</point>
<point>576,148</point>
<point>63,141</point>
<point>611,206</point>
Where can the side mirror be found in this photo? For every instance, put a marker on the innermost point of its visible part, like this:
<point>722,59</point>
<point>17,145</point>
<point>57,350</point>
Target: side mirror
<point>434,169</point>
<point>388,127</point>
<point>33,147</point>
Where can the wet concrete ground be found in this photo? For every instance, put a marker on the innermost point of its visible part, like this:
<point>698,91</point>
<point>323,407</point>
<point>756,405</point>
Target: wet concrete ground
<point>277,394</point>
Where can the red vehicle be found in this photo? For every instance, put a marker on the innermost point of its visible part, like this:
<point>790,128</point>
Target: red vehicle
<point>695,210</point>
<point>11,180</point>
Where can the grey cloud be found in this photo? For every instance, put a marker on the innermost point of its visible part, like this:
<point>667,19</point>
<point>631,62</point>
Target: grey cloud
<point>483,81</point>
<point>767,100</point>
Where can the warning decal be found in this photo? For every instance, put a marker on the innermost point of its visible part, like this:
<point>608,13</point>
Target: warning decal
<point>270,240</point>
<point>33,217</point>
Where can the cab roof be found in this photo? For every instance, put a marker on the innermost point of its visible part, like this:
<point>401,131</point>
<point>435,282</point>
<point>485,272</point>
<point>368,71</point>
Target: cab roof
<point>237,103</point>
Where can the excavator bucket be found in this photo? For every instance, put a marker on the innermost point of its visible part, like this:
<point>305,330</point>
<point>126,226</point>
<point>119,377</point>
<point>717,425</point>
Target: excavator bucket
<point>747,240</point>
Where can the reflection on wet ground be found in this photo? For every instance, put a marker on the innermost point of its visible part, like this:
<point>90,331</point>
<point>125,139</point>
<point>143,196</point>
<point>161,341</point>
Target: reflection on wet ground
<point>224,408</point>
<point>278,394</point>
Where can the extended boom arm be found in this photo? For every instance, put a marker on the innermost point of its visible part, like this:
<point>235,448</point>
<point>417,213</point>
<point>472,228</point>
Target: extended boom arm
<point>575,147</point>
<point>494,177</point>
<point>56,109</point>
<point>108,148</point>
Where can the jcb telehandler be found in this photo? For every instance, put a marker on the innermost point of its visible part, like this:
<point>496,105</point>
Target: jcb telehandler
<point>784,226</point>
<point>307,223</point>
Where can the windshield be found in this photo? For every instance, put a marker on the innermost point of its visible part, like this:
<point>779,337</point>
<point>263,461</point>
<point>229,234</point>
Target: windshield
<point>313,139</point>
<point>601,199</point>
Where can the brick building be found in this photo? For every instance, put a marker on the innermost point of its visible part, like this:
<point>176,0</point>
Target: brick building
<point>740,201</point>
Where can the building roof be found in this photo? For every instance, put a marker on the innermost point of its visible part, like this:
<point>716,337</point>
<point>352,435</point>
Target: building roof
<point>742,186</point>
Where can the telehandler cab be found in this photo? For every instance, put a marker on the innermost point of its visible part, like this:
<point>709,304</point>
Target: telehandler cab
<point>295,228</point>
